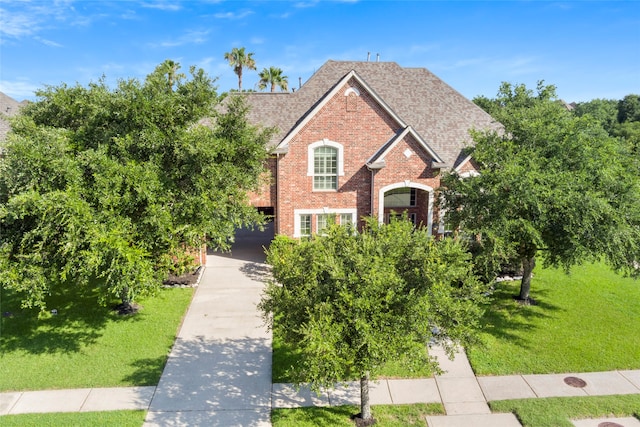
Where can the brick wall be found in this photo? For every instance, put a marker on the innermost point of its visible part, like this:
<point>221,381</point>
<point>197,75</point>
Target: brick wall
<point>469,165</point>
<point>408,162</point>
<point>362,127</point>
<point>266,195</point>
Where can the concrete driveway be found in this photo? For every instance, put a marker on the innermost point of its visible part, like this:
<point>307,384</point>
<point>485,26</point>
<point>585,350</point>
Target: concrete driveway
<point>219,370</point>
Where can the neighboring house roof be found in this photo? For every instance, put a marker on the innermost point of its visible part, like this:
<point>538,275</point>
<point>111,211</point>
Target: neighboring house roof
<point>439,115</point>
<point>8,107</point>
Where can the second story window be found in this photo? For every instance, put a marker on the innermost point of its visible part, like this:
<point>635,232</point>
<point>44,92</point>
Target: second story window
<point>325,168</point>
<point>325,164</point>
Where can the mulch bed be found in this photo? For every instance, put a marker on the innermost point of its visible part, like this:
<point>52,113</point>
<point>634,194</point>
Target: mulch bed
<point>187,280</point>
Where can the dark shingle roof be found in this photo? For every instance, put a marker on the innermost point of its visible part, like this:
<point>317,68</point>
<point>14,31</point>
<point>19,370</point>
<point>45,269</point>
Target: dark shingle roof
<point>437,112</point>
<point>8,107</point>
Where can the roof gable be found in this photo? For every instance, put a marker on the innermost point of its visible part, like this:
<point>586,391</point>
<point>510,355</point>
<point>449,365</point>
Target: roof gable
<point>351,75</point>
<point>377,161</point>
<point>418,98</point>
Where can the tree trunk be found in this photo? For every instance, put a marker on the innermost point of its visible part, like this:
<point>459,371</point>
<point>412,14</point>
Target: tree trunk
<point>126,306</point>
<point>124,296</point>
<point>528,264</point>
<point>365,405</point>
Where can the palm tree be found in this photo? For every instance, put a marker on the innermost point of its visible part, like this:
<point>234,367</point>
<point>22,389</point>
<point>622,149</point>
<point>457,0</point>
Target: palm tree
<point>273,76</point>
<point>170,69</point>
<point>238,59</point>
<point>166,74</point>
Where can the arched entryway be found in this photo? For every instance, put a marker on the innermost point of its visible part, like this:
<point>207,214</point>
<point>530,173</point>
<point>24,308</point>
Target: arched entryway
<point>412,197</point>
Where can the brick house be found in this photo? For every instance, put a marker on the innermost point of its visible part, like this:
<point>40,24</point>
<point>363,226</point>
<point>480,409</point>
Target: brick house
<point>362,139</point>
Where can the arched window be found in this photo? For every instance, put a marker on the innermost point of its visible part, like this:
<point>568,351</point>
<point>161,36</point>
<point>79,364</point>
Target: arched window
<point>325,164</point>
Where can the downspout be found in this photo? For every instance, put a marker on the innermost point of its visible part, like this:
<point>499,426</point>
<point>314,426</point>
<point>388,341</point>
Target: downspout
<point>373,188</point>
<point>278,152</point>
<point>277,212</point>
<point>373,167</point>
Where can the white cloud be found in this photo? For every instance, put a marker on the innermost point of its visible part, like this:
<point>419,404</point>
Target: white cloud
<point>129,15</point>
<point>284,15</point>
<point>162,5</point>
<point>27,19</point>
<point>517,66</point>
<point>305,4</point>
<point>19,89</point>
<point>17,24</point>
<point>233,15</point>
<point>505,67</point>
<point>48,42</point>
<point>191,37</point>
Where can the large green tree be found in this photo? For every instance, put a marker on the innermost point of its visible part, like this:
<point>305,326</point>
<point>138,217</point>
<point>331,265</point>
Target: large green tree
<point>603,110</point>
<point>620,118</point>
<point>239,59</point>
<point>351,301</point>
<point>110,187</point>
<point>273,77</point>
<point>550,184</point>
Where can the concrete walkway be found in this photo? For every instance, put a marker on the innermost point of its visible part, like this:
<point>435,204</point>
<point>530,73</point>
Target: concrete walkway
<point>219,370</point>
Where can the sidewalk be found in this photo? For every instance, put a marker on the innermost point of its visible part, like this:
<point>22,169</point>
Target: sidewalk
<point>463,400</point>
<point>463,395</point>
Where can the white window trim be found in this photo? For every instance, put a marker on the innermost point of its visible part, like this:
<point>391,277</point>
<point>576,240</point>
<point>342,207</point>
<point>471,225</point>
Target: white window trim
<point>415,201</point>
<point>299,226</point>
<point>469,174</point>
<point>323,143</point>
<point>441,224</point>
<point>314,221</point>
<point>352,90</point>
<point>401,185</point>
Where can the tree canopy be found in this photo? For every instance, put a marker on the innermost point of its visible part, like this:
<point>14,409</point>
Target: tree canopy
<point>551,184</point>
<point>620,118</point>
<point>350,302</point>
<point>111,187</point>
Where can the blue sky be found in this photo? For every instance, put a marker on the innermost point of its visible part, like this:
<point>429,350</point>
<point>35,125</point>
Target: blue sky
<point>587,49</point>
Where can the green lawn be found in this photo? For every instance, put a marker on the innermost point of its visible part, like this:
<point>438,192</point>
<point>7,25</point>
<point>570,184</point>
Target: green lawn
<point>385,415</point>
<point>557,411</point>
<point>285,356</point>
<point>87,345</point>
<point>588,321</point>
<point>77,419</point>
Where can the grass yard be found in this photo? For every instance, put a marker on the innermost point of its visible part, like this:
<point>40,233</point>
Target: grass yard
<point>557,411</point>
<point>285,356</point>
<point>77,419</point>
<point>585,322</point>
<point>86,345</point>
<point>385,415</point>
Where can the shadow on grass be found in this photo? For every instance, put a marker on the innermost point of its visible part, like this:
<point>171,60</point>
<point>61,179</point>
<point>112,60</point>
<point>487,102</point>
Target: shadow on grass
<point>78,322</point>
<point>508,320</point>
<point>148,371</point>
<point>386,415</point>
<point>320,416</point>
<point>284,358</point>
